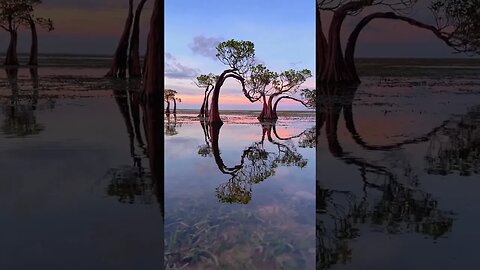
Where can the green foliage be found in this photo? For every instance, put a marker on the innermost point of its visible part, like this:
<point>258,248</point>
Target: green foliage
<point>238,55</point>
<point>169,94</point>
<point>460,20</point>
<point>206,80</point>
<point>309,97</point>
<point>290,80</point>
<point>260,77</point>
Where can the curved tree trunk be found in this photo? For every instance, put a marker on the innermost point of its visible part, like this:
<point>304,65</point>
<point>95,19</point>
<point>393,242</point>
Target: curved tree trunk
<point>335,69</point>
<point>34,47</point>
<point>11,58</point>
<point>214,117</point>
<point>119,65</point>
<point>174,106</point>
<point>153,80</point>
<point>134,67</point>
<point>353,38</point>
<point>284,97</point>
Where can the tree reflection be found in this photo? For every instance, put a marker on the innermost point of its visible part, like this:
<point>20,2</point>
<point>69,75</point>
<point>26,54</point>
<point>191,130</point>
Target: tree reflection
<point>391,202</point>
<point>257,163</point>
<point>456,148</point>
<point>134,183</point>
<point>130,183</point>
<point>19,110</point>
<point>171,125</point>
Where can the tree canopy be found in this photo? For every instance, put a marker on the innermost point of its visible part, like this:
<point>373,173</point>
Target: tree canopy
<point>238,55</point>
<point>17,13</point>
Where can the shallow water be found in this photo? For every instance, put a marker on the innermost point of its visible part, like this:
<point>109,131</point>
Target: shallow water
<point>242,196</point>
<point>397,170</point>
<point>72,194</point>
<point>396,165</point>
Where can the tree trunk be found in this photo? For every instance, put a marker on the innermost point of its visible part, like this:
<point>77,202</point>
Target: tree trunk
<point>274,111</point>
<point>264,109</point>
<point>11,58</point>
<point>353,38</point>
<point>34,47</point>
<point>202,109</point>
<point>119,65</point>
<point>206,102</point>
<point>321,51</point>
<point>335,69</point>
<point>167,110</point>
<point>153,78</point>
<point>267,111</point>
<point>134,67</point>
<point>214,117</point>
<point>174,106</point>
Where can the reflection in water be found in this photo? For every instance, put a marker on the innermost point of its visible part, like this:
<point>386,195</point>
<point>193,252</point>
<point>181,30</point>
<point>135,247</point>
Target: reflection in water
<point>390,200</point>
<point>456,148</point>
<point>237,228</point>
<point>134,183</point>
<point>19,110</point>
<point>171,125</point>
<point>256,163</point>
<point>130,182</point>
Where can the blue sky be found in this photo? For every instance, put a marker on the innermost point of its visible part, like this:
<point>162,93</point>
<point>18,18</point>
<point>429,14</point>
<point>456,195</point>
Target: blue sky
<point>283,34</point>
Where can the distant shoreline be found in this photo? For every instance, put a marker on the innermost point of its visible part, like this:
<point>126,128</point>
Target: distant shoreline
<point>100,55</point>
<point>233,111</point>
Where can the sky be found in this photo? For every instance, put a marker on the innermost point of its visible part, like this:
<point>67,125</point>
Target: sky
<point>282,30</point>
<point>82,26</point>
<point>284,38</point>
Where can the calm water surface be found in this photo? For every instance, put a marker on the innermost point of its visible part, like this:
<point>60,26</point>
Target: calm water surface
<point>75,191</point>
<point>397,165</point>
<point>241,196</point>
<point>398,162</point>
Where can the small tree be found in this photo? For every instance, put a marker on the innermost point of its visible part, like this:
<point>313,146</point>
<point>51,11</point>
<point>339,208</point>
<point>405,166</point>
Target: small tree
<point>208,82</point>
<point>169,95</point>
<point>15,14</point>
<point>239,56</point>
